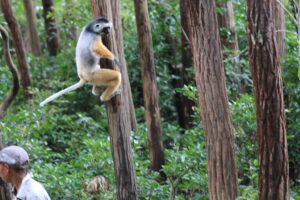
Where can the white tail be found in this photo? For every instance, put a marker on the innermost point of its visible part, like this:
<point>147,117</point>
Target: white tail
<point>58,94</point>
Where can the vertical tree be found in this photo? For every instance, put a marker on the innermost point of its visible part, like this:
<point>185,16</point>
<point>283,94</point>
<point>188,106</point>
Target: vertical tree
<point>150,92</point>
<point>118,118</point>
<point>50,26</point>
<point>280,27</point>
<point>180,74</point>
<point>226,21</point>
<point>185,116</point>
<point>15,86</point>
<point>33,39</point>
<point>229,39</point>
<point>268,92</point>
<point>19,45</point>
<point>119,38</point>
<point>210,80</point>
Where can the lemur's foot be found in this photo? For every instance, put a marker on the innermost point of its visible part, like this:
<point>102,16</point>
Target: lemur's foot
<point>117,92</point>
<point>97,90</point>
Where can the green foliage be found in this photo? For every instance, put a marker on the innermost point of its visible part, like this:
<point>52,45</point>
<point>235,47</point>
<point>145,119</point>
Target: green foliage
<point>291,83</point>
<point>66,150</point>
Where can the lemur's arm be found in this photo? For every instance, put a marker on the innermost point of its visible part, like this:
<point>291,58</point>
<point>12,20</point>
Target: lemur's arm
<point>103,52</point>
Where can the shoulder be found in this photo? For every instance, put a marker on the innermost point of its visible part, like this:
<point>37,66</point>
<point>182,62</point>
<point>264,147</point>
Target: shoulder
<point>85,40</point>
<point>34,190</point>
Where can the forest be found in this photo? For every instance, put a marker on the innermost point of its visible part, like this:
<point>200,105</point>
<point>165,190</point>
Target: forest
<point>208,106</point>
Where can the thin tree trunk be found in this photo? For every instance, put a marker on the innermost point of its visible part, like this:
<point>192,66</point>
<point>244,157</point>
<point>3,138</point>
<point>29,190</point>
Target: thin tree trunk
<point>19,46</point>
<point>15,86</point>
<point>215,114</point>
<point>185,116</point>
<point>230,41</point>
<point>226,20</point>
<point>33,39</point>
<point>178,73</point>
<point>150,92</point>
<point>118,119</point>
<point>120,49</point>
<point>51,29</point>
<point>268,92</point>
<point>280,28</point>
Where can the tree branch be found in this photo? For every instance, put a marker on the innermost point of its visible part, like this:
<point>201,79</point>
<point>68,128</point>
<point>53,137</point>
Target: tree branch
<point>15,87</point>
<point>288,12</point>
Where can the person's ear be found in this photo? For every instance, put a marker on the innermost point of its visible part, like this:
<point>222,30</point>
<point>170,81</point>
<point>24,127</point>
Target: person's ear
<point>6,167</point>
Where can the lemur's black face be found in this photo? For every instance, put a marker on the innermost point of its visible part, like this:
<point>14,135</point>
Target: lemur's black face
<point>105,31</point>
<point>100,26</point>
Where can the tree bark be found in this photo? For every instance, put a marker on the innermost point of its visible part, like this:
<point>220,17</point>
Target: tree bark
<point>150,92</point>
<point>33,39</point>
<point>51,29</point>
<point>15,87</point>
<point>268,92</point>
<point>120,49</point>
<point>118,119</point>
<point>19,46</point>
<point>215,114</point>
<point>280,28</point>
<point>186,111</point>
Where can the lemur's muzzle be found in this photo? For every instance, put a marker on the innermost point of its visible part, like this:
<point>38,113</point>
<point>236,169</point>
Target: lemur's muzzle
<point>106,30</point>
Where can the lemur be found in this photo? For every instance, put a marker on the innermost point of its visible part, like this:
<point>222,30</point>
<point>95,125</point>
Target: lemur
<point>89,50</point>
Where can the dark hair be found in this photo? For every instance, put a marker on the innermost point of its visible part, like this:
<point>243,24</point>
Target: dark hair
<point>20,167</point>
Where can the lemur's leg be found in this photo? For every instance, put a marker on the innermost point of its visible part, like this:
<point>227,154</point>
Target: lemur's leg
<point>109,78</point>
<point>97,90</point>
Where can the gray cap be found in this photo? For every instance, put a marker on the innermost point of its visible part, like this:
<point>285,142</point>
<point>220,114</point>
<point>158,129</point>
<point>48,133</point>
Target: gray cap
<point>15,156</point>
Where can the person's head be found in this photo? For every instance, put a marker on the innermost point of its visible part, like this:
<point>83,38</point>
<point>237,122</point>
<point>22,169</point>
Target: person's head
<point>14,161</point>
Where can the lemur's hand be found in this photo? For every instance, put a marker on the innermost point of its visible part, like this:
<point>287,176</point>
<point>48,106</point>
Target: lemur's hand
<point>117,62</point>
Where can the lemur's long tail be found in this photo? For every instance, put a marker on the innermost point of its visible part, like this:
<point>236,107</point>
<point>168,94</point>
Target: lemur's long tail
<point>58,94</point>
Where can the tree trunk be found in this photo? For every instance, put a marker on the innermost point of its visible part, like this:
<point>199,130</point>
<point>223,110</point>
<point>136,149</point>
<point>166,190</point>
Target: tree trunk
<point>118,119</point>
<point>120,49</point>
<point>280,28</point>
<point>226,20</point>
<point>150,92</point>
<point>181,102</point>
<point>51,29</point>
<point>230,41</point>
<point>178,73</point>
<point>33,39</point>
<point>15,86</point>
<point>266,75</point>
<point>19,45</point>
<point>186,110</point>
<point>215,114</point>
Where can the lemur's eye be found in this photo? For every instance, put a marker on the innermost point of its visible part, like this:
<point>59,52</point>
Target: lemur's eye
<point>97,27</point>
